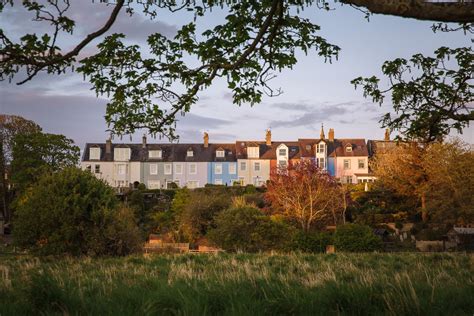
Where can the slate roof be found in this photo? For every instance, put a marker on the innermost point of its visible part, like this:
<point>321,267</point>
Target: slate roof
<point>336,148</point>
<point>379,145</point>
<point>293,150</point>
<point>233,151</point>
<point>229,152</point>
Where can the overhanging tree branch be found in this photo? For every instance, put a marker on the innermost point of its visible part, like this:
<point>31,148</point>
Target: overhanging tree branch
<point>456,12</point>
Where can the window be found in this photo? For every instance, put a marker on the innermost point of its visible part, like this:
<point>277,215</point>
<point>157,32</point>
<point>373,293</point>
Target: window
<point>154,168</point>
<point>349,148</point>
<point>282,164</point>
<point>178,168</point>
<point>252,152</point>
<point>257,181</point>
<point>122,169</point>
<point>282,152</point>
<point>232,168</point>
<point>220,153</point>
<point>153,184</point>
<point>243,166</point>
<point>88,168</point>
<point>256,166</point>
<point>321,148</point>
<point>348,179</point>
<point>168,168</point>
<point>157,154</point>
<point>192,168</point>
<point>321,163</point>
<point>361,163</point>
<point>218,181</point>
<point>122,154</point>
<point>97,168</point>
<point>218,168</point>
<point>94,154</point>
<point>347,164</point>
<point>192,184</point>
<point>241,181</point>
<point>121,183</point>
<point>308,147</point>
<point>190,153</point>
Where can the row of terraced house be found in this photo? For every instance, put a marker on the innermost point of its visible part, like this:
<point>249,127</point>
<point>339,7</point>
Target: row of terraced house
<point>243,162</point>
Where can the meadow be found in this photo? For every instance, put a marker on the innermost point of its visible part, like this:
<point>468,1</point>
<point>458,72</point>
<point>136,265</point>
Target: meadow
<point>240,284</point>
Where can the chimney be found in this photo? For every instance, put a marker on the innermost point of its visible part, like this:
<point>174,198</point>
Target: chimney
<point>331,134</point>
<point>108,146</point>
<point>321,135</point>
<point>144,141</point>
<point>268,137</point>
<point>206,140</point>
<point>387,135</point>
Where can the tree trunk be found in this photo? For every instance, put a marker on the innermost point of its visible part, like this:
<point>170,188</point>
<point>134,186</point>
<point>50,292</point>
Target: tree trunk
<point>424,211</point>
<point>419,9</point>
<point>3,185</point>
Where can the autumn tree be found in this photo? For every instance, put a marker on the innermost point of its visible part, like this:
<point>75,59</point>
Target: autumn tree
<point>450,166</point>
<point>10,127</point>
<point>257,40</point>
<point>402,169</point>
<point>304,193</point>
<point>436,174</point>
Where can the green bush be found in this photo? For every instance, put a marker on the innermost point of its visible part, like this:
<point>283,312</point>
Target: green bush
<point>356,238</point>
<point>247,229</point>
<point>72,212</point>
<point>311,241</point>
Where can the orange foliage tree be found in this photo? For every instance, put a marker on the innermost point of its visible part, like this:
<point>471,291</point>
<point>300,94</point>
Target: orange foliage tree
<point>306,194</point>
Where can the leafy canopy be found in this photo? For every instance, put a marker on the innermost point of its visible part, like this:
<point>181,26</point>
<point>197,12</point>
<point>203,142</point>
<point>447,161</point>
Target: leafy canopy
<point>72,212</point>
<point>430,95</point>
<point>38,153</point>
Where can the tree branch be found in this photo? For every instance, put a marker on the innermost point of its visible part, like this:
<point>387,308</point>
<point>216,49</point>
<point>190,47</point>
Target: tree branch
<point>457,12</point>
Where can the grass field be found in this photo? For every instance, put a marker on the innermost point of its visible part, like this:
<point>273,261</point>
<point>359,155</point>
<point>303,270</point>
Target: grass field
<point>240,284</point>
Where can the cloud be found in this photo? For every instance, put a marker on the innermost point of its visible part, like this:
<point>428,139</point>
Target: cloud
<point>81,117</point>
<point>312,114</point>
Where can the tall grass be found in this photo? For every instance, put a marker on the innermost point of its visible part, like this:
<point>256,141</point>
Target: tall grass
<point>240,284</point>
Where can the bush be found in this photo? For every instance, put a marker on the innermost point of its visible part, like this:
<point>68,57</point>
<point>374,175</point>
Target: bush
<point>356,238</point>
<point>72,212</point>
<point>247,229</point>
<point>311,241</point>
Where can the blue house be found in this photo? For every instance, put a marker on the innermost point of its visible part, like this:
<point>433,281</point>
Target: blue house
<point>222,169</point>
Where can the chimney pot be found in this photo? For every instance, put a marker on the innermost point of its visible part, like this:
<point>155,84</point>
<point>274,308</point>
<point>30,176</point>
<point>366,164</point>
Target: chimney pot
<point>331,134</point>
<point>387,135</point>
<point>206,140</point>
<point>144,141</point>
<point>268,137</point>
<point>108,146</point>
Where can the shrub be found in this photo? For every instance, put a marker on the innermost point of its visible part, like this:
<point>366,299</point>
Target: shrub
<point>72,212</point>
<point>356,238</point>
<point>310,241</point>
<point>247,229</point>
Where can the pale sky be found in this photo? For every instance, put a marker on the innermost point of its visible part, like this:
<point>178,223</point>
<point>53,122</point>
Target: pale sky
<point>314,92</point>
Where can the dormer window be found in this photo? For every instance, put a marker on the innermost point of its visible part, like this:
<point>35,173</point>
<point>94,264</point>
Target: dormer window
<point>94,153</point>
<point>321,148</point>
<point>252,152</point>
<point>348,148</point>
<point>220,153</point>
<point>190,153</point>
<point>155,154</point>
<point>122,154</point>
